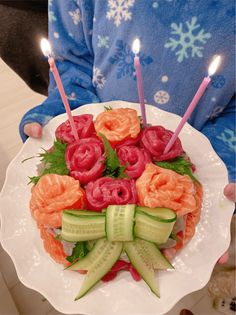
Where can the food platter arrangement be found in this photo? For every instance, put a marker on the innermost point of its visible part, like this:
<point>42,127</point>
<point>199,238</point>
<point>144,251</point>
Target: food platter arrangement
<point>111,223</point>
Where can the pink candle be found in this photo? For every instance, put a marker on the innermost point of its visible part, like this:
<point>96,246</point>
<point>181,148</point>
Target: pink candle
<point>137,66</point>
<point>193,103</point>
<point>47,52</point>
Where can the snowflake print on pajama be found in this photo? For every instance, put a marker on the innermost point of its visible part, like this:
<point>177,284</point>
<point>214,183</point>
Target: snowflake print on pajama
<point>118,10</point>
<point>72,96</point>
<point>161,97</point>
<point>98,78</point>
<point>188,41</point>
<point>124,59</point>
<point>229,138</point>
<point>218,81</point>
<point>76,16</point>
<point>51,16</point>
<point>103,41</point>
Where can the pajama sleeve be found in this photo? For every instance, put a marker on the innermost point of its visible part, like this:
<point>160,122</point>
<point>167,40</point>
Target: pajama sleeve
<point>221,133</point>
<point>70,38</point>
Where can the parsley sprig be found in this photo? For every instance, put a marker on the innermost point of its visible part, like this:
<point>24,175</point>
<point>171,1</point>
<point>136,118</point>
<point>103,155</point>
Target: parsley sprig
<point>54,161</point>
<point>180,165</point>
<point>113,166</point>
<point>79,251</point>
<point>107,108</point>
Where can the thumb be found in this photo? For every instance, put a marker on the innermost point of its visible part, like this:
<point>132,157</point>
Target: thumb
<point>33,130</point>
<point>230,191</point>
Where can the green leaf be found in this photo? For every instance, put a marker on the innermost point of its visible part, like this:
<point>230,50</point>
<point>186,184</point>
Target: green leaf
<point>54,161</point>
<point>107,108</point>
<point>79,251</point>
<point>113,166</point>
<point>173,236</point>
<point>180,165</point>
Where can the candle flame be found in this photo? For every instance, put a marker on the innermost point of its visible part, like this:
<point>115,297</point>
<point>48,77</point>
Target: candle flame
<point>46,47</point>
<point>136,46</point>
<point>214,65</point>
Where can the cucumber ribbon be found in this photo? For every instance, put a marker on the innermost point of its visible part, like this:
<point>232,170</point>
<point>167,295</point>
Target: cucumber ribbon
<point>136,230</point>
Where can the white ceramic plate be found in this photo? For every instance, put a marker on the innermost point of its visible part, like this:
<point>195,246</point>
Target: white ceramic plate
<point>193,266</point>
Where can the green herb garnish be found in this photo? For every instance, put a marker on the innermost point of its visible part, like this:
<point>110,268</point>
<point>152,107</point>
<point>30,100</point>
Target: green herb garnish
<point>107,108</point>
<point>54,161</point>
<point>180,165</point>
<point>113,166</point>
<point>79,251</point>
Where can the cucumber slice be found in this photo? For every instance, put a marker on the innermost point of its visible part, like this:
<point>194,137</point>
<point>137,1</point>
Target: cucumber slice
<point>161,214</point>
<point>86,262</point>
<point>77,228</point>
<point>154,228</point>
<point>90,244</point>
<point>103,260</point>
<point>141,262</point>
<point>156,258</point>
<point>83,212</point>
<point>120,223</point>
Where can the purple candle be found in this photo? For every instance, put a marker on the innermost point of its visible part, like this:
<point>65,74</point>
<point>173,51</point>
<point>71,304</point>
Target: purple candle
<point>212,69</point>
<point>46,48</point>
<point>137,66</point>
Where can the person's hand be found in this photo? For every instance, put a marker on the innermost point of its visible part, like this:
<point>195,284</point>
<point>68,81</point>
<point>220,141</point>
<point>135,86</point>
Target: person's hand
<point>230,193</point>
<point>33,130</point>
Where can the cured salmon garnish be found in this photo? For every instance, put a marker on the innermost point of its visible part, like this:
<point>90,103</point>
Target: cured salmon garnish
<point>51,195</point>
<point>118,124</point>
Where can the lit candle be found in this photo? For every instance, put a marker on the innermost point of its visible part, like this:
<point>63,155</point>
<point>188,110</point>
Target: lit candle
<point>46,49</point>
<point>211,70</point>
<point>137,66</point>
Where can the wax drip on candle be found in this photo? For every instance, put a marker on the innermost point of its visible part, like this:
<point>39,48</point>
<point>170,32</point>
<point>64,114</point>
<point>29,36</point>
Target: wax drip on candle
<point>202,88</point>
<point>46,49</point>
<point>137,66</point>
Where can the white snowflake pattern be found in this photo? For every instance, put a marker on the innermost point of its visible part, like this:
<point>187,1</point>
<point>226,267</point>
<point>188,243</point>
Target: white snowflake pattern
<point>229,138</point>
<point>161,97</point>
<point>71,96</point>
<point>164,78</point>
<point>189,41</point>
<point>51,16</point>
<point>103,41</point>
<point>118,10</point>
<point>76,16</point>
<point>99,79</point>
<point>155,5</point>
<point>56,35</point>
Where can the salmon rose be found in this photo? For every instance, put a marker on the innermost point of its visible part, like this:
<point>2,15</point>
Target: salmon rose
<point>51,195</point>
<point>159,187</point>
<point>53,246</point>
<point>118,124</point>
